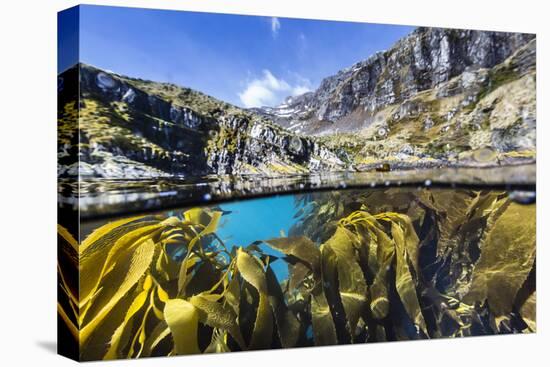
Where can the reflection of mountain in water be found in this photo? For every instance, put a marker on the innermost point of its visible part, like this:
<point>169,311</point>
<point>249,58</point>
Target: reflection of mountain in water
<point>111,197</point>
<point>438,97</point>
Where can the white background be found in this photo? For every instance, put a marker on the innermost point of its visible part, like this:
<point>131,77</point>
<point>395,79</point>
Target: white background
<point>28,181</point>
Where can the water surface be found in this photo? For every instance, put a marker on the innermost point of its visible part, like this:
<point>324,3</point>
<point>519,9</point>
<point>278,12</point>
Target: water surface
<point>243,263</point>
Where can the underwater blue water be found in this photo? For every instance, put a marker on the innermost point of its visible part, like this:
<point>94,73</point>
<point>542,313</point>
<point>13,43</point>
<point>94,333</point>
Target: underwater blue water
<point>258,219</point>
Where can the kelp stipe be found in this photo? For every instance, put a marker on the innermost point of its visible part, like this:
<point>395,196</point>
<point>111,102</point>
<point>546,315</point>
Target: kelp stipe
<point>363,266</point>
<point>461,262</point>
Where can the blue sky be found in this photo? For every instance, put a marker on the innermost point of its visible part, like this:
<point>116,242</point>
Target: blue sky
<point>245,60</point>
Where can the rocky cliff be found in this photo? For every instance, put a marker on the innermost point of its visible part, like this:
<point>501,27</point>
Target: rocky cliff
<point>437,93</point>
<point>438,97</point>
<point>135,128</point>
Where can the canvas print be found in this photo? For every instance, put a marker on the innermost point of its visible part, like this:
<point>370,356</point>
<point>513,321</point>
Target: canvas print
<point>234,183</point>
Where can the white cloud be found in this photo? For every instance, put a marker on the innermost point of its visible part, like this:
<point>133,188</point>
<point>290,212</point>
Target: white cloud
<point>270,91</point>
<point>300,89</point>
<point>275,26</point>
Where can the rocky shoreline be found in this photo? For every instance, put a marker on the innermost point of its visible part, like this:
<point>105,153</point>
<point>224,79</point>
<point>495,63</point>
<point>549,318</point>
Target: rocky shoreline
<point>439,97</point>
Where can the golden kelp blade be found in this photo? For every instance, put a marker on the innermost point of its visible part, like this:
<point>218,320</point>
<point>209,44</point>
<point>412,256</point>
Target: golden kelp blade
<point>251,270</point>
<point>118,337</point>
<point>122,255</point>
<point>168,285</point>
<point>67,270</point>
<point>137,262</point>
<point>507,256</point>
<point>404,281</point>
<point>218,316</point>
<point>324,330</point>
<point>385,253</point>
<point>300,247</point>
<point>351,283</point>
<point>454,205</point>
<point>183,320</point>
<point>528,312</point>
<point>96,261</point>
<point>287,325</point>
<point>209,223</point>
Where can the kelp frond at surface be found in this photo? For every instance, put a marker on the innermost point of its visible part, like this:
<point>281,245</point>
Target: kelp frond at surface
<point>362,267</point>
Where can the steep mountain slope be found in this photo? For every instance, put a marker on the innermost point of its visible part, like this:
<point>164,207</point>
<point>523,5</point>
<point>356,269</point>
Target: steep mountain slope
<point>438,93</point>
<point>438,97</point>
<point>135,128</point>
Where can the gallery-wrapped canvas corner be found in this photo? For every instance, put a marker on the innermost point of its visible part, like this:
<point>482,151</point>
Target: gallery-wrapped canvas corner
<point>233,183</point>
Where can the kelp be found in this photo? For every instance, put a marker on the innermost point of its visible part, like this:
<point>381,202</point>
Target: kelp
<point>67,289</point>
<point>497,279</point>
<point>363,266</point>
<point>448,262</point>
